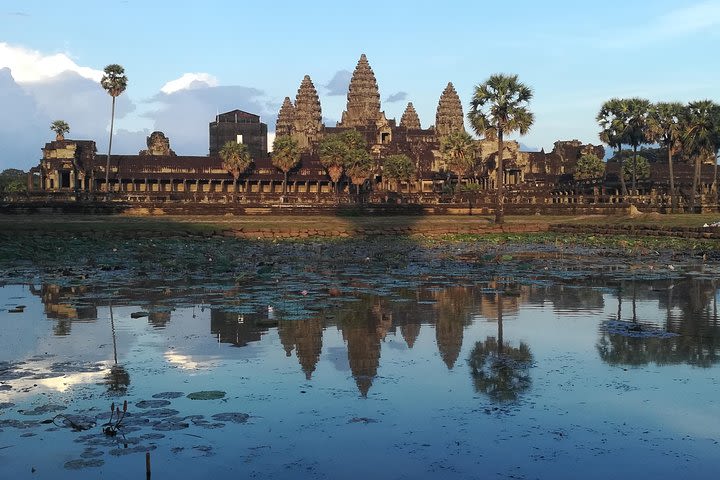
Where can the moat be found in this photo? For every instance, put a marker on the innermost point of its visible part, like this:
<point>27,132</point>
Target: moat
<point>449,360</point>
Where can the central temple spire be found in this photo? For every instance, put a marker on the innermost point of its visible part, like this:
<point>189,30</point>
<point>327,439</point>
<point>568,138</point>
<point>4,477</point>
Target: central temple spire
<point>363,98</point>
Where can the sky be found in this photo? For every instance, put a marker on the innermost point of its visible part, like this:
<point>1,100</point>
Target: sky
<point>188,60</point>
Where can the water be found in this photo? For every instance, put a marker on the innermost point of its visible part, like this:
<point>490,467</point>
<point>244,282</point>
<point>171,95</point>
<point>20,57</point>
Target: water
<point>371,375</point>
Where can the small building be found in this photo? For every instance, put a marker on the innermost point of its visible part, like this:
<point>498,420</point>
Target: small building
<point>241,127</point>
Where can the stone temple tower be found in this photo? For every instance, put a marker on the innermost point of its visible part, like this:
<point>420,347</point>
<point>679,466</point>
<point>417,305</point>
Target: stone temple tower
<point>285,119</point>
<point>449,116</point>
<point>363,98</point>
<point>410,119</point>
<point>307,118</point>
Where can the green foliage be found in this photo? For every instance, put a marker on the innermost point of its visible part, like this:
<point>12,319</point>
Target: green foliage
<point>13,180</point>
<point>470,187</point>
<point>639,164</point>
<point>360,166</point>
<point>500,106</point>
<point>458,152</point>
<point>399,168</point>
<point>235,157</point>
<point>60,127</point>
<point>346,151</point>
<point>206,395</point>
<point>286,153</point>
<point>665,124</point>
<point>114,81</point>
<point>589,167</point>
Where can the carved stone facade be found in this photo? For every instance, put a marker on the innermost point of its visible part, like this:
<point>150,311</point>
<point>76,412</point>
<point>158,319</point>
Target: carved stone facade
<point>286,117</point>
<point>449,117</point>
<point>158,144</point>
<point>307,119</point>
<point>410,119</point>
<point>363,98</point>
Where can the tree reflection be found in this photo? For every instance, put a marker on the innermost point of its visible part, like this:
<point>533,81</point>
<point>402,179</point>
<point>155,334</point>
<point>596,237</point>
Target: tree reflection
<point>689,333</point>
<point>499,370</point>
<point>117,379</point>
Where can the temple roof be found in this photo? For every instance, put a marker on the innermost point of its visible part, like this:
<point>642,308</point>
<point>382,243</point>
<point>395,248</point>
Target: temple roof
<point>363,98</point>
<point>284,123</point>
<point>449,117</point>
<point>410,119</point>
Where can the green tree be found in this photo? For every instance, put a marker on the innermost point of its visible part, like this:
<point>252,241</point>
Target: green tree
<point>640,167</point>
<point>235,159</point>
<point>702,137</point>
<point>114,82</point>
<point>498,107</point>
<point>664,126</point>
<point>60,127</point>
<point>360,167</point>
<point>346,152</point>
<point>13,180</point>
<point>285,156</point>
<point>636,111</point>
<point>458,151</point>
<point>399,168</point>
<point>612,123</point>
<point>589,167</point>
<point>333,155</point>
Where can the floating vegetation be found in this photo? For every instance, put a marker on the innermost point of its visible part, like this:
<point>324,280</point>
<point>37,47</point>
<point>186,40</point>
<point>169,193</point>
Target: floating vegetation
<point>168,395</point>
<point>115,421</point>
<point>152,403</point>
<point>233,417</point>
<point>206,395</point>
<point>635,330</point>
<point>81,463</point>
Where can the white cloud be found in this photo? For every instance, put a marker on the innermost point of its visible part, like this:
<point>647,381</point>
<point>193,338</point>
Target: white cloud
<point>32,66</point>
<point>189,81</point>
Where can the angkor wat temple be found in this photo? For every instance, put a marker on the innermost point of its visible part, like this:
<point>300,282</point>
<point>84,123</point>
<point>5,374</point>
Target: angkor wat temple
<point>536,181</point>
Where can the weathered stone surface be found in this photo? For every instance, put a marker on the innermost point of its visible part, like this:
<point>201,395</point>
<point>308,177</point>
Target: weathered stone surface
<point>363,98</point>
<point>449,117</point>
<point>286,116</point>
<point>410,119</point>
<point>307,122</point>
<point>158,144</point>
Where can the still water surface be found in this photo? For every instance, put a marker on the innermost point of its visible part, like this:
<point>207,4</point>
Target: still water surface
<point>433,378</point>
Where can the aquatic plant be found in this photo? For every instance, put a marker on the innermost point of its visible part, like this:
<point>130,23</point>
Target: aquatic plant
<point>115,421</point>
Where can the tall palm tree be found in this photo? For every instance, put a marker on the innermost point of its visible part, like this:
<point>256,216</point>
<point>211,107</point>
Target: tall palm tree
<point>285,156</point>
<point>636,112</point>
<point>500,106</point>
<point>665,127</point>
<point>702,135</point>
<point>612,124</point>
<point>458,151</point>
<point>235,159</point>
<point>60,127</point>
<point>333,154</point>
<point>114,82</point>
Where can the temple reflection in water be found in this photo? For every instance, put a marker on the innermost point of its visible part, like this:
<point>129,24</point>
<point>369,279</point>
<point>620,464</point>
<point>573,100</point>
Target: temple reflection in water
<point>684,311</point>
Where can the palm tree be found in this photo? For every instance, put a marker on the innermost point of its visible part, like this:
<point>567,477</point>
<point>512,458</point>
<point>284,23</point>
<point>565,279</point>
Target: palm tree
<point>235,159</point>
<point>114,82</point>
<point>333,154</point>
<point>60,127</point>
<point>702,136</point>
<point>285,155</point>
<point>398,168</point>
<point>612,123</point>
<point>458,151</point>
<point>665,127</point>
<point>359,166</point>
<point>636,112</point>
<point>500,106</point>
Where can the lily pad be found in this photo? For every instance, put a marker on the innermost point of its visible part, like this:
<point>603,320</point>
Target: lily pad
<point>235,417</point>
<point>168,395</point>
<point>152,403</point>
<point>206,395</point>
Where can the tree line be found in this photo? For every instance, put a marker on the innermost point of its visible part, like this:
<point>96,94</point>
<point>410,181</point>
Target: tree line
<point>689,132</point>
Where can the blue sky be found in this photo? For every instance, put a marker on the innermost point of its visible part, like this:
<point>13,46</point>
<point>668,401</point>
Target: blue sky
<point>187,59</point>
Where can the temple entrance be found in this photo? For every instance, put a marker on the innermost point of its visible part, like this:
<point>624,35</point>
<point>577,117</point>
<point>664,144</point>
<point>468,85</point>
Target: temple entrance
<point>64,179</point>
